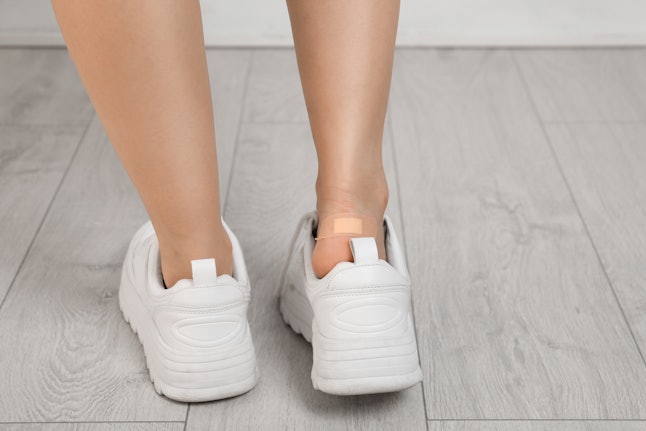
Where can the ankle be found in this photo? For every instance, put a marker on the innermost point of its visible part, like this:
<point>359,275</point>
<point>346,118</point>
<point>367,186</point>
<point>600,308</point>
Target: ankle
<point>176,256</point>
<point>368,196</point>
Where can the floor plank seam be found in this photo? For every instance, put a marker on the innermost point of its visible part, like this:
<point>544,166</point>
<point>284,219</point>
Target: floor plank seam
<point>537,420</point>
<point>236,145</point>
<point>403,240</point>
<point>593,122</point>
<point>90,422</point>
<point>47,210</point>
<point>576,206</point>
<point>188,409</point>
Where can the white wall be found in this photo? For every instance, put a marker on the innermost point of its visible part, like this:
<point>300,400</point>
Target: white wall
<point>422,22</point>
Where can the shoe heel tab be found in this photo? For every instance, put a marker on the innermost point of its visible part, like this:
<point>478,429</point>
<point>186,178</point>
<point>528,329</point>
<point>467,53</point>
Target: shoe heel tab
<point>204,272</point>
<point>364,250</point>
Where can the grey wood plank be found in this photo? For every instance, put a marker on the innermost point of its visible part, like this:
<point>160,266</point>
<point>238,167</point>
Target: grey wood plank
<point>121,426</point>
<point>32,164</point>
<point>272,186</point>
<point>604,166</point>
<point>514,315</point>
<point>586,84</point>
<point>228,71</point>
<point>67,353</point>
<point>275,94</point>
<point>41,87</point>
<point>537,426</point>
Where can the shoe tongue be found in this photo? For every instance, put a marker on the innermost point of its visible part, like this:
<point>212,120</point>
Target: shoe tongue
<point>204,272</point>
<point>364,249</point>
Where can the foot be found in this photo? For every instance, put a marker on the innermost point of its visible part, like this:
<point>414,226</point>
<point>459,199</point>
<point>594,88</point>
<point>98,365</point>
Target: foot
<point>195,336</point>
<point>358,317</point>
<point>330,251</point>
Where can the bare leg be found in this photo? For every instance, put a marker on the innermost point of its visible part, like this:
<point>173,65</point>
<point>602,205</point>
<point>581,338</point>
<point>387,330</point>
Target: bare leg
<point>345,51</point>
<point>143,65</point>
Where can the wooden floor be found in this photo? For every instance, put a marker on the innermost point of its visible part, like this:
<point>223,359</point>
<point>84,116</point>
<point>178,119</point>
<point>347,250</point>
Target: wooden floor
<point>518,182</point>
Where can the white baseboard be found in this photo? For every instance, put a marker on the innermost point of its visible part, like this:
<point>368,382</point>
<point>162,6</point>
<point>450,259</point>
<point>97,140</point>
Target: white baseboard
<point>404,39</point>
<point>445,39</point>
<point>463,40</point>
<point>28,39</point>
<point>423,23</point>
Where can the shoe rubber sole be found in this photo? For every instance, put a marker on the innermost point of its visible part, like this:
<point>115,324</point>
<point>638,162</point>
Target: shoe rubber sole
<point>372,364</point>
<point>193,371</point>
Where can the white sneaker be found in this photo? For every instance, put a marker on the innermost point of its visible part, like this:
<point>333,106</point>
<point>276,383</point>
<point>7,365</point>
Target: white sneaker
<point>358,317</point>
<point>195,335</point>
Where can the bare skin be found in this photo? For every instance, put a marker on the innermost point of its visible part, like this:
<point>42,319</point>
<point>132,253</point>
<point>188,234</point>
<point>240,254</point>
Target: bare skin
<point>143,65</point>
<point>345,51</point>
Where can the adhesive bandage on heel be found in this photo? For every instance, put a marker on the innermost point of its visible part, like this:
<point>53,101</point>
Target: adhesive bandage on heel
<point>346,224</point>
